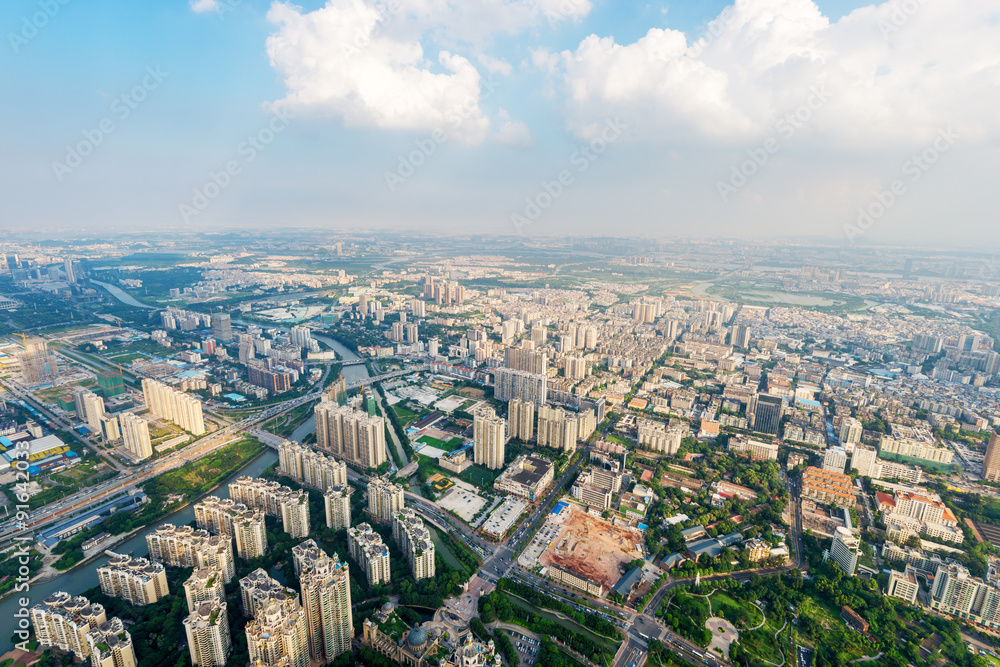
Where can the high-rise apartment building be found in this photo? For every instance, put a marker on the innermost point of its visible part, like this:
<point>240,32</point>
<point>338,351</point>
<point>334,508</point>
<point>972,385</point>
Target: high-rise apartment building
<point>557,428</point>
<point>385,498</point>
<point>337,502</point>
<point>278,636</point>
<point>227,517</point>
<point>526,360</point>
<point>136,580</point>
<point>304,554</point>
<point>258,588</point>
<point>956,592</point>
<point>39,364</point>
<point>184,546</point>
<point>326,598</point>
<point>490,434</point>
<point>521,419</point>
<point>835,459</point>
<point>93,409</point>
<point>658,438</point>
<point>204,585</point>
<point>510,384</point>
<point>174,406</point>
<point>350,434</point>
<point>991,461</point>
<point>274,499</point>
<point>135,435</point>
<point>276,381</point>
<point>311,468</point>
<point>111,645</point>
<point>222,327</point>
<point>576,368</point>
<point>415,542</point>
<point>850,432</point>
<point>845,550</point>
<point>740,336</point>
<point>207,630</point>
<point>62,621</point>
<point>368,551</point>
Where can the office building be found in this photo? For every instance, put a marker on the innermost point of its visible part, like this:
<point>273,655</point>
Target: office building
<point>658,438</point>
<point>337,503</point>
<point>903,585</point>
<point>370,552</point>
<point>310,467</point>
<point>415,542</point>
<point>258,588</point>
<point>991,461</point>
<point>510,384</point>
<point>222,327</point>
<point>135,436</point>
<point>184,546</point>
<point>845,550</point>
<point>768,413</point>
<point>326,599</point>
<point>207,630</point>
<point>490,434</point>
<point>278,636</point>
<point>135,580</point>
<point>168,404</point>
<point>528,477</point>
<point>350,435</point>
<point>39,364</point>
<point>111,645</point>
<point>204,585</point>
<point>521,419</point>
<point>62,621</point>
<point>385,499</point>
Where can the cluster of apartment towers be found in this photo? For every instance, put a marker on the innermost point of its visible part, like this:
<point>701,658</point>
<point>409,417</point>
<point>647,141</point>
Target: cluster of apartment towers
<point>285,630</point>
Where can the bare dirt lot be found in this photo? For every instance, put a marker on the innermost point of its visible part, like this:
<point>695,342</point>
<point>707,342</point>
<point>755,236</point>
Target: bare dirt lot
<point>591,547</point>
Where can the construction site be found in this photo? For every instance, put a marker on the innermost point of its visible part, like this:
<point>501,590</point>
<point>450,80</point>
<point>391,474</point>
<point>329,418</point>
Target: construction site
<point>593,548</point>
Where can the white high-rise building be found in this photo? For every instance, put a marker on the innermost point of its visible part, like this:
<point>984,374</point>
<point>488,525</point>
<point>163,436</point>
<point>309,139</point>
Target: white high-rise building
<point>350,434</point>
<point>576,368</point>
<point>227,517</point>
<point>657,437</point>
<point>207,630</point>
<point>850,432</point>
<point>337,502</point>
<point>845,550</point>
<point>956,592</point>
<point>370,552</point>
<point>184,546</point>
<point>557,428</point>
<point>521,419</point>
<point>278,636</point>
<point>174,406</point>
<point>835,460</point>
<point>135,435</point>
<point>136,580</point>
<point>415,542</point>
<point>490,438</point>
<point>93,406</point>
<point>111,645</point>
<point>204,585</point>
<point>385,498</point>
<point>528,387</point>
<point>311,468</point>
<point>326,598</point>
<point>63,621</point>
<point>274,499</point>
<point>258,588</point>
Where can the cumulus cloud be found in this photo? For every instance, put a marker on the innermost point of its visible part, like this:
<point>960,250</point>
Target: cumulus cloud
<point>200,6</point>
<point>894,77</point>
<point>340,61</point>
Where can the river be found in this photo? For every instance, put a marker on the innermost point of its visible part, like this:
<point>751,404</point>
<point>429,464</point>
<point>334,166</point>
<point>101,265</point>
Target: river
<point>78,580</point>
<point>123,296</point>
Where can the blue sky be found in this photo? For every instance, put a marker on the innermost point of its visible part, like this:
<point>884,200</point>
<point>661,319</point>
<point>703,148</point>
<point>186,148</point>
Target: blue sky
<point>365,130</point>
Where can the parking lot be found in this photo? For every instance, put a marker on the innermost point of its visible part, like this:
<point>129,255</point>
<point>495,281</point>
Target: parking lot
<point>527,649</point>
<point>529,558</point>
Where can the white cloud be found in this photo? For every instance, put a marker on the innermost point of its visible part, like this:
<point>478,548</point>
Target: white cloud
<point>513,133</point>
<point>894,78</point>
<point>340,60</point>
<point>494,65</point>
<point>200,6</point>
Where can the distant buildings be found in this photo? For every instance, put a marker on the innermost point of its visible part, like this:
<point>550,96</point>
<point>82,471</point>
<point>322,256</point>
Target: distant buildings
<point>350,434</point>
<point>135,580</point>
<point>222,327</point>
<point>490,433</point>
<point>275,381</point>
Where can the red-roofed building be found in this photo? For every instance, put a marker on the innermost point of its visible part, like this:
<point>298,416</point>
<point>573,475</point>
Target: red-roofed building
<point>885,501</point>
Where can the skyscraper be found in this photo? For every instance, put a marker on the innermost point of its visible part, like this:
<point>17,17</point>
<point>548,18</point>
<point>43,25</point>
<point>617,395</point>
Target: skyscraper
<point>384,499</point>
<point>326,598</point>
<point>337,501</point>
<point>38,363</point>
<point>69,271</point>
<point>368,551</point>
<point>277,636</point>
<point>222,327</point>
<point>509,384</point>
<point>991,462</point>
<point>767,416</point>
<point>350,434</point>
<point>135,435</point>
<point>207,630</point>
<point>490,433</point>
<point>111,645</point>
<point>415,542</point>
<point>175,406</point>
<point>845,549</point>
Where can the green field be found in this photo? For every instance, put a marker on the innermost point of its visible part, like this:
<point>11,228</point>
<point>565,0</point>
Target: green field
<point>481,477</point>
